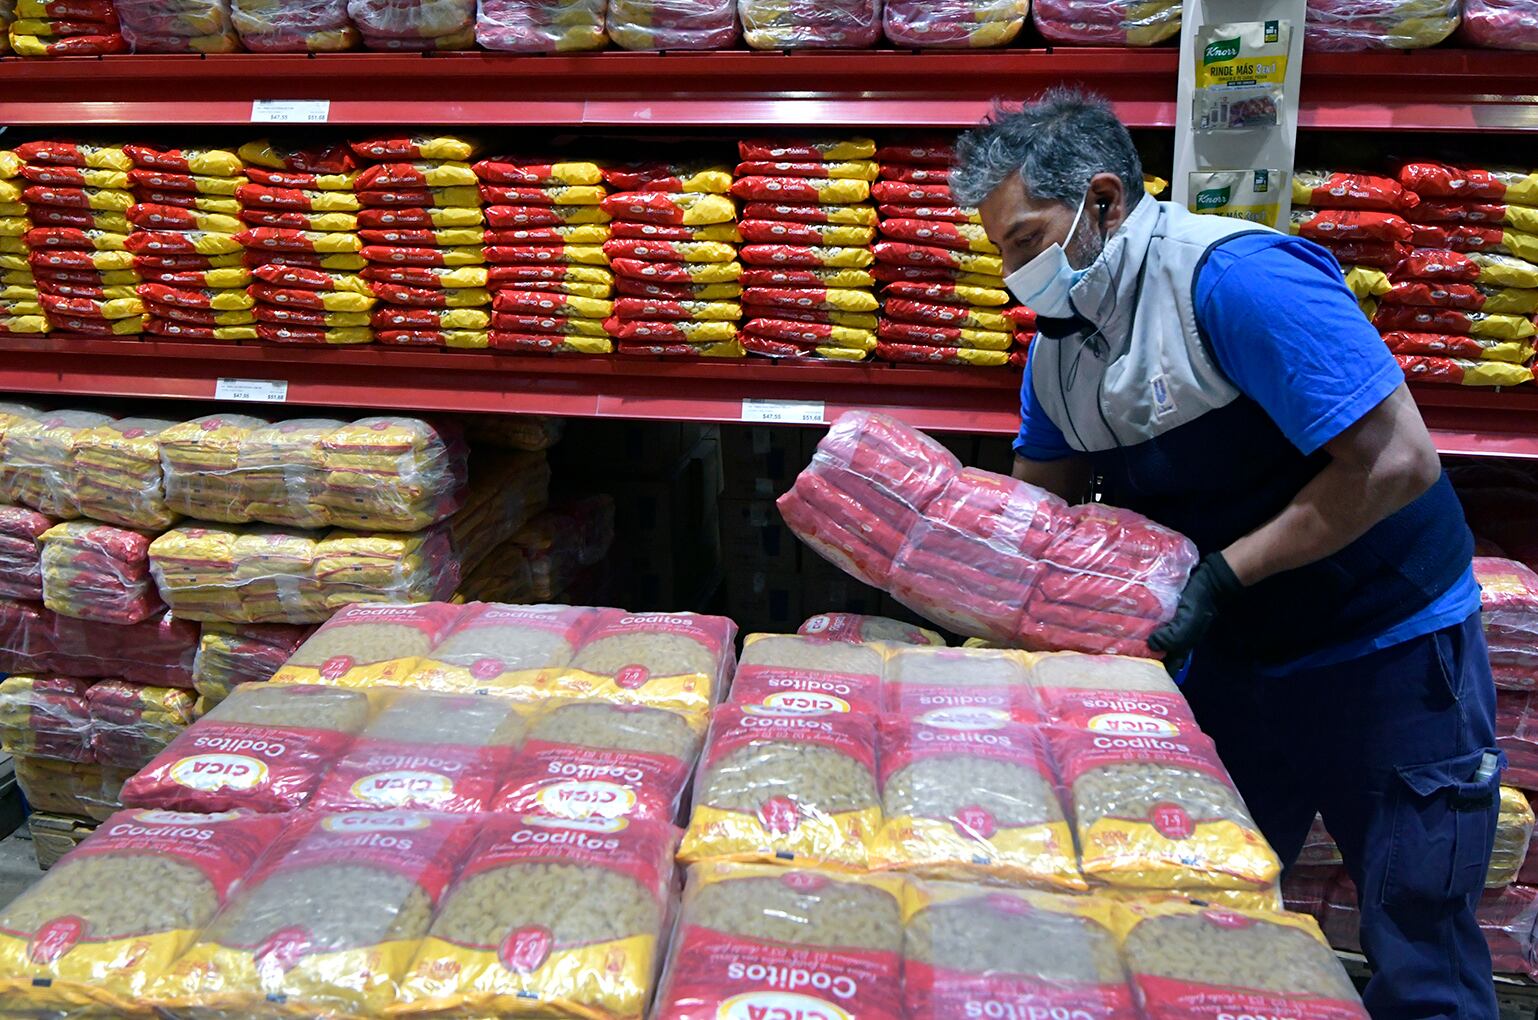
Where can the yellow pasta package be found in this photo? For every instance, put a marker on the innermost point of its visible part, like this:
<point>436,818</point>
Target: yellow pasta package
<point>786,787</point>
<point>105,922</point>
<point>328,923</point>
<point>549,917</point>
<point>972,802</point>
<point>678,661</point>
<point>511,650</point>
<point>1366,282</point>
<point>375,645</point>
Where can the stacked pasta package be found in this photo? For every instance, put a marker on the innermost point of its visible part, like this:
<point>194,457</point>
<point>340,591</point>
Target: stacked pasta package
<point>301,215</point>
<point>180,26</point>
<point>541,26</point>
<point>21,310</point>
<point>294,26</point>
<point>94,571</point>
<point>808,225</point>
<point>943,296</point>
<point>546,269</point>
<point>77,198</point>
<point>66,28</point>
<point>186,243</point>
<point>810,24</point>
<point>1351,25</point>
<point>421,228</point>
<point>954,24</point>
<point>1120,23</point>
<point>21,564</point>
<point>1465,295</point>
<point>673,24</point>
<point>414,25</point>
<point>675,257</point>
<point>981,553</point>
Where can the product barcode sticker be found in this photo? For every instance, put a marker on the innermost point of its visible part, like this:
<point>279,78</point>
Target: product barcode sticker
<point>290,111</point>
<point>785,412</point>
<point>261,391</point>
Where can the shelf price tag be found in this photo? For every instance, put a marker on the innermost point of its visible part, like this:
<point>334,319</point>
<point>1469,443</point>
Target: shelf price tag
<point>785,412</point>
<point>290,111</point>
<point>259,391</point>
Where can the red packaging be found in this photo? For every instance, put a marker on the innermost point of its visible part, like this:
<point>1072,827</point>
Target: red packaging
<point>1350,225</point>
<point>295,277</point>
<point>847,678</point>
<point>1334,190</point>
<point>1439,345</point>
<point>947,213</point>
<point>795,256</point>
<point>1437,294</point>
<point>508,217</point>
<point>56,216</point>
<point>786,148</point>
<point>542,303</point>
<point>511,276</point>
<point>933,153</point>
<point>407,256</point>
<point>786,331</point>
<point>661,272</point>
<point>60,153</point>
<point>532,343</point>
<point>1442,181</point>
<point>408,318</point>
<point>429,277</point>
<point>793,190</point>
<point>628,287</point>
<point>507,323</point>
<point>956,237</point>
<point>899,193</point>
<point>783,212</point>
<point>410,337</point>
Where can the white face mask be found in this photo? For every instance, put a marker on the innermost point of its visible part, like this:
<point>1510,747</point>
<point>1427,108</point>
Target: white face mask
<point>1043,283</point>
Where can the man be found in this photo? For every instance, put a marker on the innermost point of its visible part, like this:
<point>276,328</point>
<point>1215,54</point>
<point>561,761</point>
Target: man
<point>1220,378</point>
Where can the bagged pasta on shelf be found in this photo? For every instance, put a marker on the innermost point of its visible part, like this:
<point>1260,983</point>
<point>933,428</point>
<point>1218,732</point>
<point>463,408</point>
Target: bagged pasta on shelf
<point>78,28</point>
<point>678,661</point>
<point>293,26</point>
<point>541,26</point>
<point>744,928</point>
<point>1351,25</point>
<point>961,686</point>
<point>265,748</point>
<point>414,25</point>
<point>199,459</point>
<point>178,26</point>
<point>858,628</point>
<point>97,572</point>
<point>119,475</point>
<point>70,788</point>
<point>954,24</point>
<point>792,674</point>
<point>392,473</point>
<point>1119,23</point>
<point>673,24</point>
<point>1513,833</point>
<point>810,24</point>
<point>1508,595</point>
<point>426,752</point>
<point>786,787</point>
<point>36,455</point>
<point>131,723</point>
<point>1184,957</point>
<point>327,923</point>
<point>1500,24</point>
<point>972,803</point>
<point>231,654</point>
<point>21,571</point>
<point>106,922</point>
<point>371,645</point>
<point>158,651</point>
<point>46,717</point>
<point>550,912</point>
<point>596,762</point>
<point>987,950</point>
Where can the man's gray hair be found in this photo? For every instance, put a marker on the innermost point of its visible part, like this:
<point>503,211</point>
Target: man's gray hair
<point>1056,143</point>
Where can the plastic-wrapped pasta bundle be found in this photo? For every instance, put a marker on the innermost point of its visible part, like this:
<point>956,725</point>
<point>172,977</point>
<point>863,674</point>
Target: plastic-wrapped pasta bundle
<point>1508,593</point>
<point>541,26</point>
<point>38,455</point>
<point>1346,25</point>
<point>294,26</point>
<point>540,912</point>
<point>108,920</point>
<point>974,803</point>
<point>21,572</point>
<point>1513,833</point>
<point>119,475</point>
<point>857,628</point>
<point>426,752</point>
<point>46,717</point>
<point>510,650</point>
<point>199,460</point>
<point>1500,24</point>
<point>978,951</point>
<point>786,787</point>
<point>96,572</point>
<point>673,24</point>
<point>392,474</point>
<point>598,762</point>
<point>70,788</point>
<point>1186,958</point>
<point>231,654</point>
<point>265,748</point>
<point>131,724</point>
<point>178,26</point>
<point>1120,23</point>
<point>328,921</point>
<point>744,929</point>
<point>78,28</point>
<point>415,25</point>
<point>810,24</point>
<point>159,651</point>
<point>792,674</point>
<point>954,24</point>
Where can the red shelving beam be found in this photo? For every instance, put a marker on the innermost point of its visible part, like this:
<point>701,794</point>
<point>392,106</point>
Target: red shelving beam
<point>1459,90</point>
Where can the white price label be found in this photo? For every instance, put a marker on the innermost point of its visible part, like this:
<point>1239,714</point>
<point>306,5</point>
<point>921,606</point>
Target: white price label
<point>785,412</point>
<point>260,391</point>
<point>290,111</point>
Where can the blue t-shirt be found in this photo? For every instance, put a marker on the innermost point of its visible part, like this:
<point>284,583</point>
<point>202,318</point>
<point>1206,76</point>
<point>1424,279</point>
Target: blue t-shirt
<point>1289,334</point>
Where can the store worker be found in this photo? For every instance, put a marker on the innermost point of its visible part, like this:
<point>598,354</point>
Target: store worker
<point>1219,378</point>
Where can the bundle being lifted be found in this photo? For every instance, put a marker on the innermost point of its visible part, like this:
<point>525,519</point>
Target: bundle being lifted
<point>675,257</point>
<point>294,26</point>
<point>808,224</point>
<point>541,26</point>
<point>981,553</point>
<point>673,24</point>
<point>178,26</point>
<point>66,28</point>
<point>954,24</point>
<point>810,24</point>
<point>1119,23</point>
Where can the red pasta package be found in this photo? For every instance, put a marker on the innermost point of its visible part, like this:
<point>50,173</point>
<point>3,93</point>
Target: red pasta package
<point>1509,612</point>
<point>858,628</point>
<point>21,575</point>
<point>265,748</point>
<point>1441,181</point>
<point>1327,189</point>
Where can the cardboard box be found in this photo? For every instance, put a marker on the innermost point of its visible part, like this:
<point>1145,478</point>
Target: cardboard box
<point>754,537</point>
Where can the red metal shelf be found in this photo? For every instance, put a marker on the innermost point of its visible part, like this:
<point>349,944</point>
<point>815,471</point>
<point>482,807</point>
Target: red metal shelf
<point>1462,421</point>
<point>1457,90</point>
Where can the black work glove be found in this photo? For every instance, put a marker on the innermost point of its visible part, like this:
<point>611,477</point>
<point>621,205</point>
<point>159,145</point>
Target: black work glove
<point>1211,587</point>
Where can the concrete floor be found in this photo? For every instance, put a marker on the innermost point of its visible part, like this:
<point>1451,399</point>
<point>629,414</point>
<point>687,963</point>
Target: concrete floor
<point>18,865</point>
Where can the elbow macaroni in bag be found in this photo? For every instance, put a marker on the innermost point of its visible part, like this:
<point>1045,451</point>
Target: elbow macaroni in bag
<point>677,661</point>
<point>509,650</point>
<point>369,645</point>
<point>792,674</point>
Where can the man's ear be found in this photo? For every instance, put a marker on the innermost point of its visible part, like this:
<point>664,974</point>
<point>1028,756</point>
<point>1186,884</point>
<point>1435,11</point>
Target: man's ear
<point>1107,202</point>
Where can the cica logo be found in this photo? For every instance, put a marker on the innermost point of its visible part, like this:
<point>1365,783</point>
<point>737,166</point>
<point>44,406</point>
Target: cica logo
<point>1212,198</point>
<point>1220,49</point>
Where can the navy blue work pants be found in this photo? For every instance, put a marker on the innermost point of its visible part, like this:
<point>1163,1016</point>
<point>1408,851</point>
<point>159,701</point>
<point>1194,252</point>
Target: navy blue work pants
<point>1386,747</point>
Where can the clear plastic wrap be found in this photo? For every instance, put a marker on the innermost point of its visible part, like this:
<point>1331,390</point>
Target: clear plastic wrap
<point>376,645</point>
<point>70,788</point>
<point>1185,958</point>
<point>972,951</point>
<point>35,469</point>
<point>678,661</point>
<point>1500,24</point>
<point>786,787</point>
<point>568,917</point>
<point>792,674</point>
<point>415,24</point>
<point>105,923</point>
<point>954,24</point>
<point>965,687</point>
<point>177,26</point>
<point>1119,23</point>
<point>514,650</point>
<point>327,923</point>
<point>1508,595</point>
<point>294,26</point>
<point>1516,733</point>
<point>673,24</point>
<point>264,748</point>
<point>132,723</point>
<point>855,627</point>
<point>158,651</point>
<point>1513,833</point>
<point>972,803</point>
<point>97,572</point>
<point>231,654</point>
<point>46,717</point>
<point>541,26</point>
<point>1351,25</point>
<point>745,929</point>
<point>118,476</point>
<point>981,553</point>
<point>1111,694</point>
<point>21,571</point>
<point>810,24</point>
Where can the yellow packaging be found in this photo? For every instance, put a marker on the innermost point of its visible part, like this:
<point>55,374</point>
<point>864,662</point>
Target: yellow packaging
<point>820,149</point>
<point>212,162</point>
<point>9,192</point>
<point>698,272</point>
<point>466,339</point>
<point>24,324</point>
<point>10,164</point>
<point>693,332</point>
<point>14,226</point>
<point>1364,281</point>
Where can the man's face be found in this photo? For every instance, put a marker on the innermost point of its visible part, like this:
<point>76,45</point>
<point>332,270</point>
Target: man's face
<point>1024,227</point>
